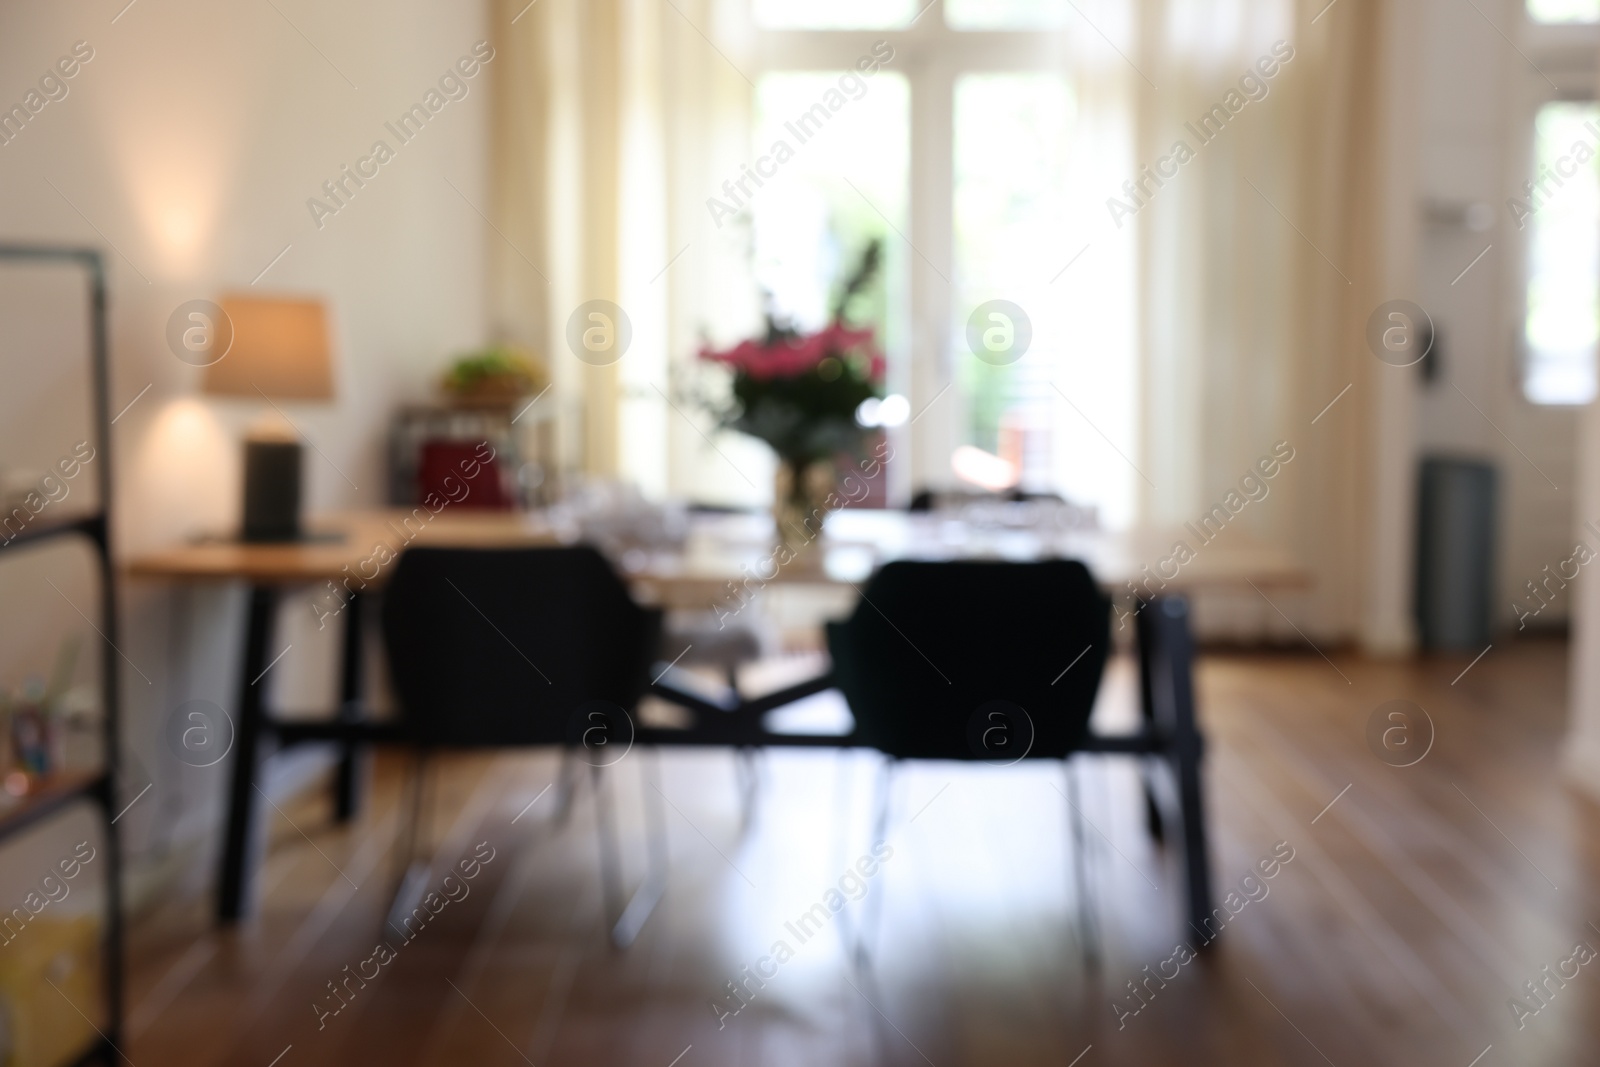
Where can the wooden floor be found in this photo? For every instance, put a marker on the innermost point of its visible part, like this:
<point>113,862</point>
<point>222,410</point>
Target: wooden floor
<point>1413,909</point>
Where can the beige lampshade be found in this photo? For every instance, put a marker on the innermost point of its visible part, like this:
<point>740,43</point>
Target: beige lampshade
<point>280,348</point>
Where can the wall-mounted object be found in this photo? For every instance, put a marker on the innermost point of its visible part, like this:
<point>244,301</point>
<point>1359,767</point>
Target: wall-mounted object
<point>1432,352</point>
<point>1476,216</point>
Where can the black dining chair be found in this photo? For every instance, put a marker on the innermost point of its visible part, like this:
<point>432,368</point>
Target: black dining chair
<point>525,646</point>
<point>976,660</point>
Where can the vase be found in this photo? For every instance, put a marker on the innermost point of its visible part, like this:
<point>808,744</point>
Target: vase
<point>799,501</point>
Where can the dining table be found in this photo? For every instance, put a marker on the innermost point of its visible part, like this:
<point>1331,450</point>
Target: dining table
<point>715,562</point>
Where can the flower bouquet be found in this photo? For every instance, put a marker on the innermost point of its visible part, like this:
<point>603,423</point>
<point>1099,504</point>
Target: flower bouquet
<point>799,393</point>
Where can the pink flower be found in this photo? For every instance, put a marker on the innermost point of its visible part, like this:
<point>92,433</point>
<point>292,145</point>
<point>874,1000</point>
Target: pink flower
<point>794,357</point>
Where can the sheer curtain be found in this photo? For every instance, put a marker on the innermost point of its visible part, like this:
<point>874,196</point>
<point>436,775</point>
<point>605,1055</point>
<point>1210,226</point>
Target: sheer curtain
<point>614,121</point>
<point>1261,261</point>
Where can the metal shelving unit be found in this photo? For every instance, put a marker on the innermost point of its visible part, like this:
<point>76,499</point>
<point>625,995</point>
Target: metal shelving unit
<point>99,787</point>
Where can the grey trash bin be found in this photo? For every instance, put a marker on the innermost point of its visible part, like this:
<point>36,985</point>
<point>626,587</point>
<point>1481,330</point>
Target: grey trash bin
<point>1455,553</point>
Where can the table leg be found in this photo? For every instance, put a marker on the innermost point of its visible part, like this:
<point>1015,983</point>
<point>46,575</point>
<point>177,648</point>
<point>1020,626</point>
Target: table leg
<point>242,842</point>
<point>350,776</point>
<point>1189,748</point>
<point>1149,773</point>
<point>1167,672</point>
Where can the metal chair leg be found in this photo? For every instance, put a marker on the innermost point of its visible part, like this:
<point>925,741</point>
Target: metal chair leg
<point>749,781</point>
<point>610,865</point>
<point>566,786</point>
<point>654,808</point>
<point>654,885</point>
<point>1088,922</point>
<point>844,767</point>
<point>411,874</point>
<point>1152,810</point>
<point>873,906</point>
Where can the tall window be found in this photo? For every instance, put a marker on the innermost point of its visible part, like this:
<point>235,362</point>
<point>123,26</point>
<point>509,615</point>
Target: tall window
<point>1012,135</point>
<point>845,186</point>
<point>1560,213</point>
<point>1560,11</point>
<point>971,155</point>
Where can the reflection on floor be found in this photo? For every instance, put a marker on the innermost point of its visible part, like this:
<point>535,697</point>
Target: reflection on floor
<point>1413,909</point>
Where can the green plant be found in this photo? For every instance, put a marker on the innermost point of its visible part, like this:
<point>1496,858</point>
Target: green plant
<point>497,364</point>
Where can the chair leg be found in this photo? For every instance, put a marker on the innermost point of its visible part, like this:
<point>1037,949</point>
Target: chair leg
<point>873,907</point>
<point>1088,922</point>
<point>1152,810</point>
<point>411,874</point>
<point>566,786</point>
<point>748,777</point>
<point>745,773</point>
<point>844,766</point>
<point>655,809</point>
<point>654,885</point>
<point>610,864</point>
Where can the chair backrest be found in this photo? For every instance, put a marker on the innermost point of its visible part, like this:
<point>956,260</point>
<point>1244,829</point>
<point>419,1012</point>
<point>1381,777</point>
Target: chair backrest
<point>509,646</point>
<point>973,660</point>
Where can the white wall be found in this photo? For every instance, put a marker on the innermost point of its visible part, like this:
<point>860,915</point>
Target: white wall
<point>1478,100</point>
<point>191,143</point>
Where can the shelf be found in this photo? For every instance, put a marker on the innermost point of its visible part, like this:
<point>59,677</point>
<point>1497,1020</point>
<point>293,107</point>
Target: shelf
<point>48,797</point>
<point>88,256</point>
<point>59,791</point>
<point>90,525</point>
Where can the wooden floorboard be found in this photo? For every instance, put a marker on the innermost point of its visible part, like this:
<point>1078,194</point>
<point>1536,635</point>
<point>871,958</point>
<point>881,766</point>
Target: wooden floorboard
<point>1397,934</point>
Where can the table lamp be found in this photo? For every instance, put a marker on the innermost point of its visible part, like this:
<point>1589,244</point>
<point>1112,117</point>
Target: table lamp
<point>279,352</point>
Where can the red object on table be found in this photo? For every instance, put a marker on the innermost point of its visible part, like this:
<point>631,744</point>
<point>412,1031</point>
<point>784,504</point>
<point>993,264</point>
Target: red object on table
<point>448,459</point>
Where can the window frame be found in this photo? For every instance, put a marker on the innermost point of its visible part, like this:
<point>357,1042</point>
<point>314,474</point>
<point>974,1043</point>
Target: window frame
<point>931,56</point>
<point>1564,68</point>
